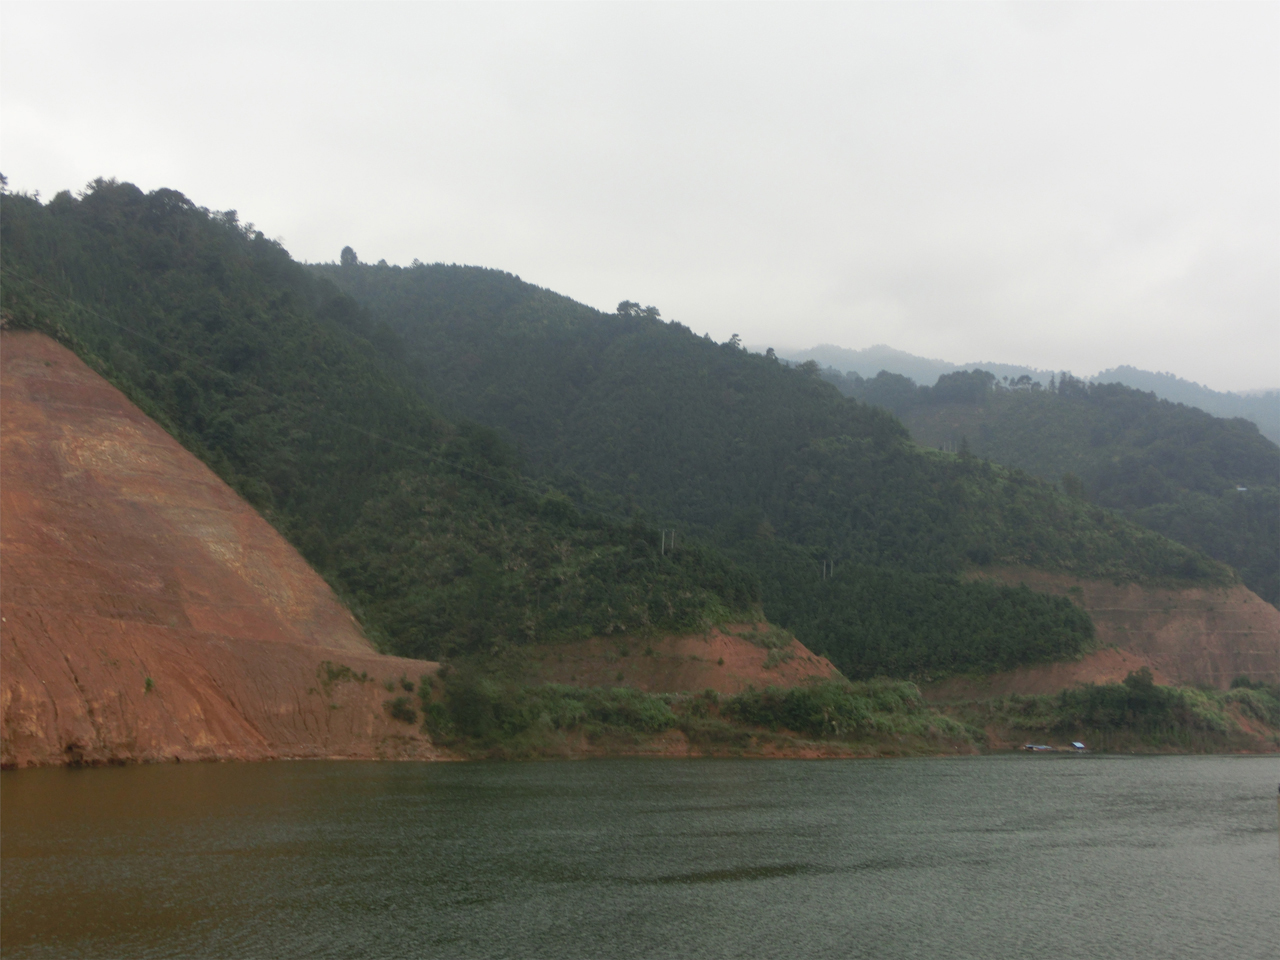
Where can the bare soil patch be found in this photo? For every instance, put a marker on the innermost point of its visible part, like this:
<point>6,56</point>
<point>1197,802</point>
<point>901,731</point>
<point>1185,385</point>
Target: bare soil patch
<point>148,612</point>
<point>727,659</point>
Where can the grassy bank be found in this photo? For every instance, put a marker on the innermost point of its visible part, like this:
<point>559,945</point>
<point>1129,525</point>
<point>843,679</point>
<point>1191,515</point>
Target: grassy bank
<point>1136,716</point>
<point>479,715</point>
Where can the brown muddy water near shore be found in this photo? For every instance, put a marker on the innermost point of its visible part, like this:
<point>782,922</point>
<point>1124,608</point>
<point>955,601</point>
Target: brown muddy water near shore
<point>1000,857</point>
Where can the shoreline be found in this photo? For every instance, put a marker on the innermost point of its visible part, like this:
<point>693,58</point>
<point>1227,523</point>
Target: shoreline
<point>764,746</point>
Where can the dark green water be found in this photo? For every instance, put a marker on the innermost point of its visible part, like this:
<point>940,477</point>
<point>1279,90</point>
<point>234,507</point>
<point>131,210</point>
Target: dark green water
<point>1015,857</point>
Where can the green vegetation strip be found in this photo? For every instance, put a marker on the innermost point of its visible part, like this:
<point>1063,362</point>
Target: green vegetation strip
<point>873,622</point>
<point>480,714</point>
<point>1138,715</point>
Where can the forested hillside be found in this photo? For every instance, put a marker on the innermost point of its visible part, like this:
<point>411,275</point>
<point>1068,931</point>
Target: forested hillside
<point>871,360</point>
<point>351,424</point>
<point>1261,407</point>
<point>860,539</point>
<point>1210,483</point>
<point>724,440</point>
<point>279,382</point>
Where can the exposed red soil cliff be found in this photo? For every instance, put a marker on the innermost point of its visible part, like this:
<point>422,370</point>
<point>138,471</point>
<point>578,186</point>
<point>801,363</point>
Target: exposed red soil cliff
<point>1203,635</point>
<point>148,612</point>
<point>723,659</point>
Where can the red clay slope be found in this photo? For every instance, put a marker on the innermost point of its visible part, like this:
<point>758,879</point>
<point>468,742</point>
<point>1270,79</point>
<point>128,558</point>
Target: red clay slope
<point>148,612</point>
<point>723,659</point>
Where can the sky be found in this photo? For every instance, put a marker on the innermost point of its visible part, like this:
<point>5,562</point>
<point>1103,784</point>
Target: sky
<point>1067,186</point>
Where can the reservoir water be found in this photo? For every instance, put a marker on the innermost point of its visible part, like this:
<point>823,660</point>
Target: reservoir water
<point>994,857</point>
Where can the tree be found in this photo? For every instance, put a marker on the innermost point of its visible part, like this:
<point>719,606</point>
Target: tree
<point>629,308</point>
<point>348,257</point>
<point>966,386</point>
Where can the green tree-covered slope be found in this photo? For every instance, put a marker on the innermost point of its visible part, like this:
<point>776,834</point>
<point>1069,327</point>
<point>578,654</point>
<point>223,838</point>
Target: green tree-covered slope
<point>1172,468</point>
<point>278,381</point>
<point>729,442</point>
<point>345,425</point>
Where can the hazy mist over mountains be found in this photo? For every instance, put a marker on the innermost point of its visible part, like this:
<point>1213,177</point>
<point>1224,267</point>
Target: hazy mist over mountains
<point>1260,406</point>
<point>1078,186</point>
<point>379,389</point>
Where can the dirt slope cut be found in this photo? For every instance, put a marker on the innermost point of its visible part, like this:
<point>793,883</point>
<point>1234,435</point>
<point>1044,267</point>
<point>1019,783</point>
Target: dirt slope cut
<point>724,659</point>
<point>1199,636</point>
<point>148,612</point>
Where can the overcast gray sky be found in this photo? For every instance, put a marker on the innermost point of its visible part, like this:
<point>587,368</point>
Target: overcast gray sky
<point>1067,186</point>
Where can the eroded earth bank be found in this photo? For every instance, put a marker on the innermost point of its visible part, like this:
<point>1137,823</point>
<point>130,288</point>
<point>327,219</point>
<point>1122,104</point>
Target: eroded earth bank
<point>149,612</point>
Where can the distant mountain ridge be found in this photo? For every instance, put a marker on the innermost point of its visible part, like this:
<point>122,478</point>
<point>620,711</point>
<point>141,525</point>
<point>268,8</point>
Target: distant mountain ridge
<point>1173,468</point>
<point>1262,407</point>
<point>923,370</point>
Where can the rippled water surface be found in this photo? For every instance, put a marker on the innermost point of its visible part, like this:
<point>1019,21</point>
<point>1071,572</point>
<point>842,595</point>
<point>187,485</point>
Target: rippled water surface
<point>996,857</point>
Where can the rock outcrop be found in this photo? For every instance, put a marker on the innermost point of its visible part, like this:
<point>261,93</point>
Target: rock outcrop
<point>148,613</point>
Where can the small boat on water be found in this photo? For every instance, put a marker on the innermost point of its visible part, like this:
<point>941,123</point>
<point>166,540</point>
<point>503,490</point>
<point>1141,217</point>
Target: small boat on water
<point>1076,747</point>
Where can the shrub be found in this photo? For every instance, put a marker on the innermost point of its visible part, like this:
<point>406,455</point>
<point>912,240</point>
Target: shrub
<point>486,710</point>
<point>1260,702</point>
<point>399,709</point>
<point>819,710</point>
